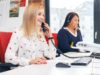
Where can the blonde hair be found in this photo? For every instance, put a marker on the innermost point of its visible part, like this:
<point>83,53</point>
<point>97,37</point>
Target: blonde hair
<point>29,20</point>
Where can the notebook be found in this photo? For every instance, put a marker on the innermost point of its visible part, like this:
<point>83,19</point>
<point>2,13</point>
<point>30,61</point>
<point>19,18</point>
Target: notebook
<point>82,61</point>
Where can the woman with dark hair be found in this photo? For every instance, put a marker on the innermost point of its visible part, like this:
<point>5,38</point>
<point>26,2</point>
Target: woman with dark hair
<point>69,34</point>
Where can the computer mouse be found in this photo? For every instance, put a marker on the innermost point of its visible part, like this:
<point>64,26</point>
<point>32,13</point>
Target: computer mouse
<point>86,51</point>
<point>63,65</point>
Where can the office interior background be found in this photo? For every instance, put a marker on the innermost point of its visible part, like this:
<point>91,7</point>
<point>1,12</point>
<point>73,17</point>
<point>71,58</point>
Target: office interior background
<point>56,11</point>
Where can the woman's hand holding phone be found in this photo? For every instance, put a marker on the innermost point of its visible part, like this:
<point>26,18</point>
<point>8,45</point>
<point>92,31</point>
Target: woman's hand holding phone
<point>47,32</point>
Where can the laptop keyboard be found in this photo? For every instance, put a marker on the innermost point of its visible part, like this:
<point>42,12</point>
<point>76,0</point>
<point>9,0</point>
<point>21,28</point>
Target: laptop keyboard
<point>82,61</point>
<point>96,55</point>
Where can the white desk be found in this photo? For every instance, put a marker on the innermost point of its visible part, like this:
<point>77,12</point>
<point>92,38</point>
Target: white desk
<point>50,69</point>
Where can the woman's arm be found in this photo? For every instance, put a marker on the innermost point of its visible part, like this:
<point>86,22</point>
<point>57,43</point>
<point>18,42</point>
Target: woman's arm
<point>11,54</point>
<point>49,49</point>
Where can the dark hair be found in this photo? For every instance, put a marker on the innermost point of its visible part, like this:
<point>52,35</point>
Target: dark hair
<point>69,18</point>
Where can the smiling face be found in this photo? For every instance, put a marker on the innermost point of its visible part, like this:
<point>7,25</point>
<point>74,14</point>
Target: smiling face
<point>40,17</point>
<point>74,22</point>
<point>32,19</point>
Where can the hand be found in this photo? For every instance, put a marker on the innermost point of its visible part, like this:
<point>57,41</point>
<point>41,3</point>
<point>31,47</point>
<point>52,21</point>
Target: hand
<point>38,60</point>
<point>48,30</point>
<point>84,51</point>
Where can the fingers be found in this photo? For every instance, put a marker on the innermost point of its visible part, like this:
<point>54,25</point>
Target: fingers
<point>38,60</point>
<point>47,33</point>
<point>47,26</point>
<point>43,58</point>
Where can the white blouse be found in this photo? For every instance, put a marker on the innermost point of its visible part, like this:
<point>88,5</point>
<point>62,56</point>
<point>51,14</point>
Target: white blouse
<point>21,50</point>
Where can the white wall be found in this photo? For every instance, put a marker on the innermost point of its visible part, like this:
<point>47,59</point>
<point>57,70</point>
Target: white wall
<point>9,23</point>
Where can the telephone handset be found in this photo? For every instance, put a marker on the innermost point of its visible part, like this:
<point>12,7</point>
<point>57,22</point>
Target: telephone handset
<point>43,27</point>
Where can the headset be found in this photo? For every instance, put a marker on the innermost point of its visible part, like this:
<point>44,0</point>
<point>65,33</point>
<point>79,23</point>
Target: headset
<point>69,18</point>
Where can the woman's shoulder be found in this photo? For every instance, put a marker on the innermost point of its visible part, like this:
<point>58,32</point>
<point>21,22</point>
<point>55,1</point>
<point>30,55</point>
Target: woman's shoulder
<point>62,30</point>
<point>18,32</point>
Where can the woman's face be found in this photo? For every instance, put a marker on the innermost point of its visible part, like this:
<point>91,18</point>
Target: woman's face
<point>40,17</point>
<point>74,22</point>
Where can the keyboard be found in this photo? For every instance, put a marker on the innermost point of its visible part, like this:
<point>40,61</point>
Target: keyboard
<point>96,55</point>
<point>82,61</point>
<point>7,65</point>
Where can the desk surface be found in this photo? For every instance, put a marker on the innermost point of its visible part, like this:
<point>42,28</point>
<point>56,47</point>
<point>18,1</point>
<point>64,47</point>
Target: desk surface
<point>50,69</point>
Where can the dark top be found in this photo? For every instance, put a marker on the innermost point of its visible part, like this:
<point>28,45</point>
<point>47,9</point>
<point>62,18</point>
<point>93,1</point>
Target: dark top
<point>66,40</point>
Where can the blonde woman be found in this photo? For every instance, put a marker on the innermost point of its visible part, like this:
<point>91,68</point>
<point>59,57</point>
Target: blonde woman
<point>28,45</point>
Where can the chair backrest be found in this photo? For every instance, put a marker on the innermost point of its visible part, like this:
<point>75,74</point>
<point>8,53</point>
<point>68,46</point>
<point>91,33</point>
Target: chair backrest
<point>4,40</point>
<point>55,39</point>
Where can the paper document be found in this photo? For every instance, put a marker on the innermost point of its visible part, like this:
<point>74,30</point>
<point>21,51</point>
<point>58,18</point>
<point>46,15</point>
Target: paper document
<point>77,54</point>
<point>92,47</point>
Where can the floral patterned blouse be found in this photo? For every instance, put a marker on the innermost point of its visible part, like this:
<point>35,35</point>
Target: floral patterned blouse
<point>21,50</point>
